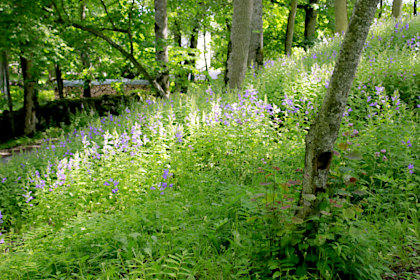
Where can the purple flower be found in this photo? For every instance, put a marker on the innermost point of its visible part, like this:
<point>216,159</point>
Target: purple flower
<point>377,154</point>
<point>166,174</point>
<point>4,180</point>
<point>163,186</point>
<point>115,190</point>
<point>106,184</point>
<point>383,151</point>
<point>179,136</point>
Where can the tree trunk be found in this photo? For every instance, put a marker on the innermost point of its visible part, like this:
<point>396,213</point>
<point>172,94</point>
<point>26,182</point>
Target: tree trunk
<point>229,51</point>
<point>396,8</point>
<point>415,7</point>
<point>324,129</point>
<point>181,78</point>
<point>290,28</point>
<point>340,10</point>
<point>30,96</point>
<point>381,4</point>
<point>256,55</point>
<point>193,45</point>
<point>161,36</point>
<point>311,13</point>
<point>5,88</point>
<point>59,79</point>
<point>85,56</point>
<point>240,37</point>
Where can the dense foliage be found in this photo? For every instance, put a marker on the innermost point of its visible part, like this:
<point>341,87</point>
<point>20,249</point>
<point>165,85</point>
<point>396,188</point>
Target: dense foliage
<point>204,186</point>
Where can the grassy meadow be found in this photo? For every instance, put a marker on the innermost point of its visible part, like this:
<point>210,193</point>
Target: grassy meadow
<point>205,185</point>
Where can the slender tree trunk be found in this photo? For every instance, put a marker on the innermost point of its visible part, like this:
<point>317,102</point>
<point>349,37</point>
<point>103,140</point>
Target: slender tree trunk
<point>194,45</point>
<point>340,10</point>
<point>311,13</point>
<point>59,79</point>
<point>229,51</point>
<point>381,4</point>
<point>84,56</point>
<point>290,28</point>
<point>30,96</point>
<point>5,88</point>
<point>415,7</point>
<point>161,36</point>
<point>181,78</point>
<point>396,8</point>
<point>256,55</point>
<point>240,37</point>
<point>324,129</point>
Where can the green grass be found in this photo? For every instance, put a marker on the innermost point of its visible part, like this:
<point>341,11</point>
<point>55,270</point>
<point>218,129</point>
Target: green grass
<point>90,206</point>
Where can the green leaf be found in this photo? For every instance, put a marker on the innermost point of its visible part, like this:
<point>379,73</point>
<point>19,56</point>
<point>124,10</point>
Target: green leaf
<point>309,197</point>
<point>349,213</point>
<point>355,155</point>
<point>297,221</point>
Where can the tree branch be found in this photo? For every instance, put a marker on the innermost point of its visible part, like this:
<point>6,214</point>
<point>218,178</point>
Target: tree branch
<point>141,69</point>
<point>106,11</point>
<point>130,35</point>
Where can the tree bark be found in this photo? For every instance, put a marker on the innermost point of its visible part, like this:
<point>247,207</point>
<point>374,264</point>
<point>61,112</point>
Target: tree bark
<point>228,52</point>
<point>396,8</point>
<point>311,13</point>
<point>240,37</point>
<point>5,88</point>
<point>84,56</point>
<point>324,129</point>
<point>380,8</point>
<point>290,28</point>
<point>161,36</point>
<point>193,45</point>
<point>59,79</point>
<point>256,55</point>
<point>415,7</point>
<point>30,96</point>
<point>340,10</point>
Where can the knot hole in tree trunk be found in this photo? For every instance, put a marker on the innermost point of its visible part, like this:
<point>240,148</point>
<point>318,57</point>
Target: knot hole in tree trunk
<point>323,161</point>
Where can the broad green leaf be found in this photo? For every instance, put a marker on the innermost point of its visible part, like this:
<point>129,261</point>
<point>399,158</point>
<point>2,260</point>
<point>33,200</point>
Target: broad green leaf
<point>297,221</point>
<point>309,197</point>
<point>355,155</point>
<point>349,213</point>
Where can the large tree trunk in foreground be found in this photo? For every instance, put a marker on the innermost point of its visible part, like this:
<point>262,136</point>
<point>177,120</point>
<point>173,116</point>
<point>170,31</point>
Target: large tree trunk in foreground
<point>5,87</point>
<point>290,27</point>
<point>240,36</point>
<point>30,96</point>
<point>161,36</point>
<point>256,55</point>
<point>324,129</point>
<point>396,8</point>
<point>311,13</point>
<point>340,11</point>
